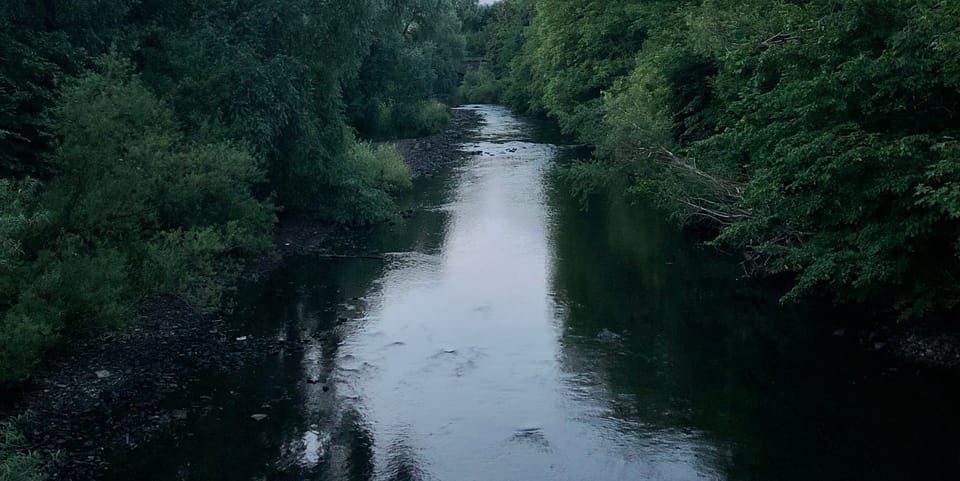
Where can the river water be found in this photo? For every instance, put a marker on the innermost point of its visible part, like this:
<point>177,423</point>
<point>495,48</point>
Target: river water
<point>507,335</point>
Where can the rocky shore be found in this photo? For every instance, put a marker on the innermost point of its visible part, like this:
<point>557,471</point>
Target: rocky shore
<point>105,393</point>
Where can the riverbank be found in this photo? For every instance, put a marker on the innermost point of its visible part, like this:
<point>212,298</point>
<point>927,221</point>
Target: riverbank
<point>426,155</point>
<point>303,234</point>
<point>932,346</point>
<point>106,393</point>
<point>506,334</point>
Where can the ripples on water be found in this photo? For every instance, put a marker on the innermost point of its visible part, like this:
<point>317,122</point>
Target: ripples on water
<point>508,335</point>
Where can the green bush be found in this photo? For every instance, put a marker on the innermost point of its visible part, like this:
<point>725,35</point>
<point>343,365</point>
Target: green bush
<point>430,117</point>
<point>16,464</point>
<point>192,262</point>
<point>407,119</point>
<point>365,180</point>
<point>820,135</point>
<point>136,208</point>
<point>479,86</point>
<point>382,165</point>
<point>27,332</point>
<point>24,332</point>
<point>343,191</point>
<point>19,215</point>
<point>162,180</point>
<point>67,289</point>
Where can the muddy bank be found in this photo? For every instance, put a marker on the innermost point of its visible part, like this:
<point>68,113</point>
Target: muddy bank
<point>926,346</point>
<point>298,234</point>
<point>103,393</point>
<point>933,343</point>
<point>426,155</point>
<point>106,393</point>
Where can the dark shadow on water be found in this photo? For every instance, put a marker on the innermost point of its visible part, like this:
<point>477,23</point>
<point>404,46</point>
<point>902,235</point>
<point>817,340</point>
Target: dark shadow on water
<point>667,334</point>
<point>403,464</point>
<point>612,348</point>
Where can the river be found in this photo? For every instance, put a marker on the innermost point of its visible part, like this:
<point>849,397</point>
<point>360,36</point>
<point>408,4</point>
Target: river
<point>507,335</point>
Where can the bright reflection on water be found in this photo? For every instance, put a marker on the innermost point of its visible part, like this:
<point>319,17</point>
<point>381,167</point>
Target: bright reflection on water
<point>509,336</point>
<point>461,353</point>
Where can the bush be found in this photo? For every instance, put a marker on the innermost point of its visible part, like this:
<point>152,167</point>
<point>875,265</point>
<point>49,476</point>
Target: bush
<point>382,165</point>
<point>429,117</point>
<point>411,119</point>
<point>18,215</point>
<point>479,86</point>
<point>27,332</point>
<point>22,334</point>
<point>821,136</point>
<point>16,464</point>
<point>364,182</point>
<point>347,189</point>
<point>136,208</point>
<point>191,262</point>
<point>68,288</point>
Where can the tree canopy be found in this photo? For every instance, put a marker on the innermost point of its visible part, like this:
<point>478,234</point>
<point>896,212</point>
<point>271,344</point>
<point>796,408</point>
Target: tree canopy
<point>820,137</point>
<point>147,145</point>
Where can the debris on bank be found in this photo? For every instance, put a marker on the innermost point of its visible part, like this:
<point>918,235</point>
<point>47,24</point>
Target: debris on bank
<point>427,155</point>
<point>103,394</point>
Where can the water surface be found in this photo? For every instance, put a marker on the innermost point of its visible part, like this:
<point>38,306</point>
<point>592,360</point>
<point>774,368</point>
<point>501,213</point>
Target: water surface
<point>506,335</point>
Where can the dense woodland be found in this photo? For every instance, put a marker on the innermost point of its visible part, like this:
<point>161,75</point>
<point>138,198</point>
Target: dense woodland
<point>147,146</point>
<point>820,137</point>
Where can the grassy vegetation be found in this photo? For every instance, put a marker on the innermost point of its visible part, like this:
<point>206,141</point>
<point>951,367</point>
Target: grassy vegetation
<point>383,165</point>
<point>16,463</point>
<point>820,137</point>
<point>479,86</point>
<point>145,147</point>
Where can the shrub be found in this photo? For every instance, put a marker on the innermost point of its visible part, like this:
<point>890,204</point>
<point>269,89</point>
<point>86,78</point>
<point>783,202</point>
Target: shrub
<point>16,464</point>
<point>27,332</point>
<point>18,215</point>
<point>364,182</point>
<point>136,208</point>
<point>406,119</point>
<point>430,117</point>
<point>22,333</point>
<point>383,165</point>
<point>819,135</point>
<point>480,86</point>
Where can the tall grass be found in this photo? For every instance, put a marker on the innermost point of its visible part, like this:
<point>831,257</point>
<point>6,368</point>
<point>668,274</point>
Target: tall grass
<point>16,463</point>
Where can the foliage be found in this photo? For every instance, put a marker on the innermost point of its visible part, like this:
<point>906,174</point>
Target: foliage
<point>144,144</point>
<point>510,47</point>
<point>29,75</point>
<point>414,57</point>
<point>16,464</point>
<point>135,208</point>
<point>474,18</point>
<point>846,174</point>
<point>479,87</point>
<point>581,48</point>
<point>416,118</point>
<point>267,74</point>
<point>383,165</point>
<point>819,136</point>
<point>19,215</point>
<point>370,173</point>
